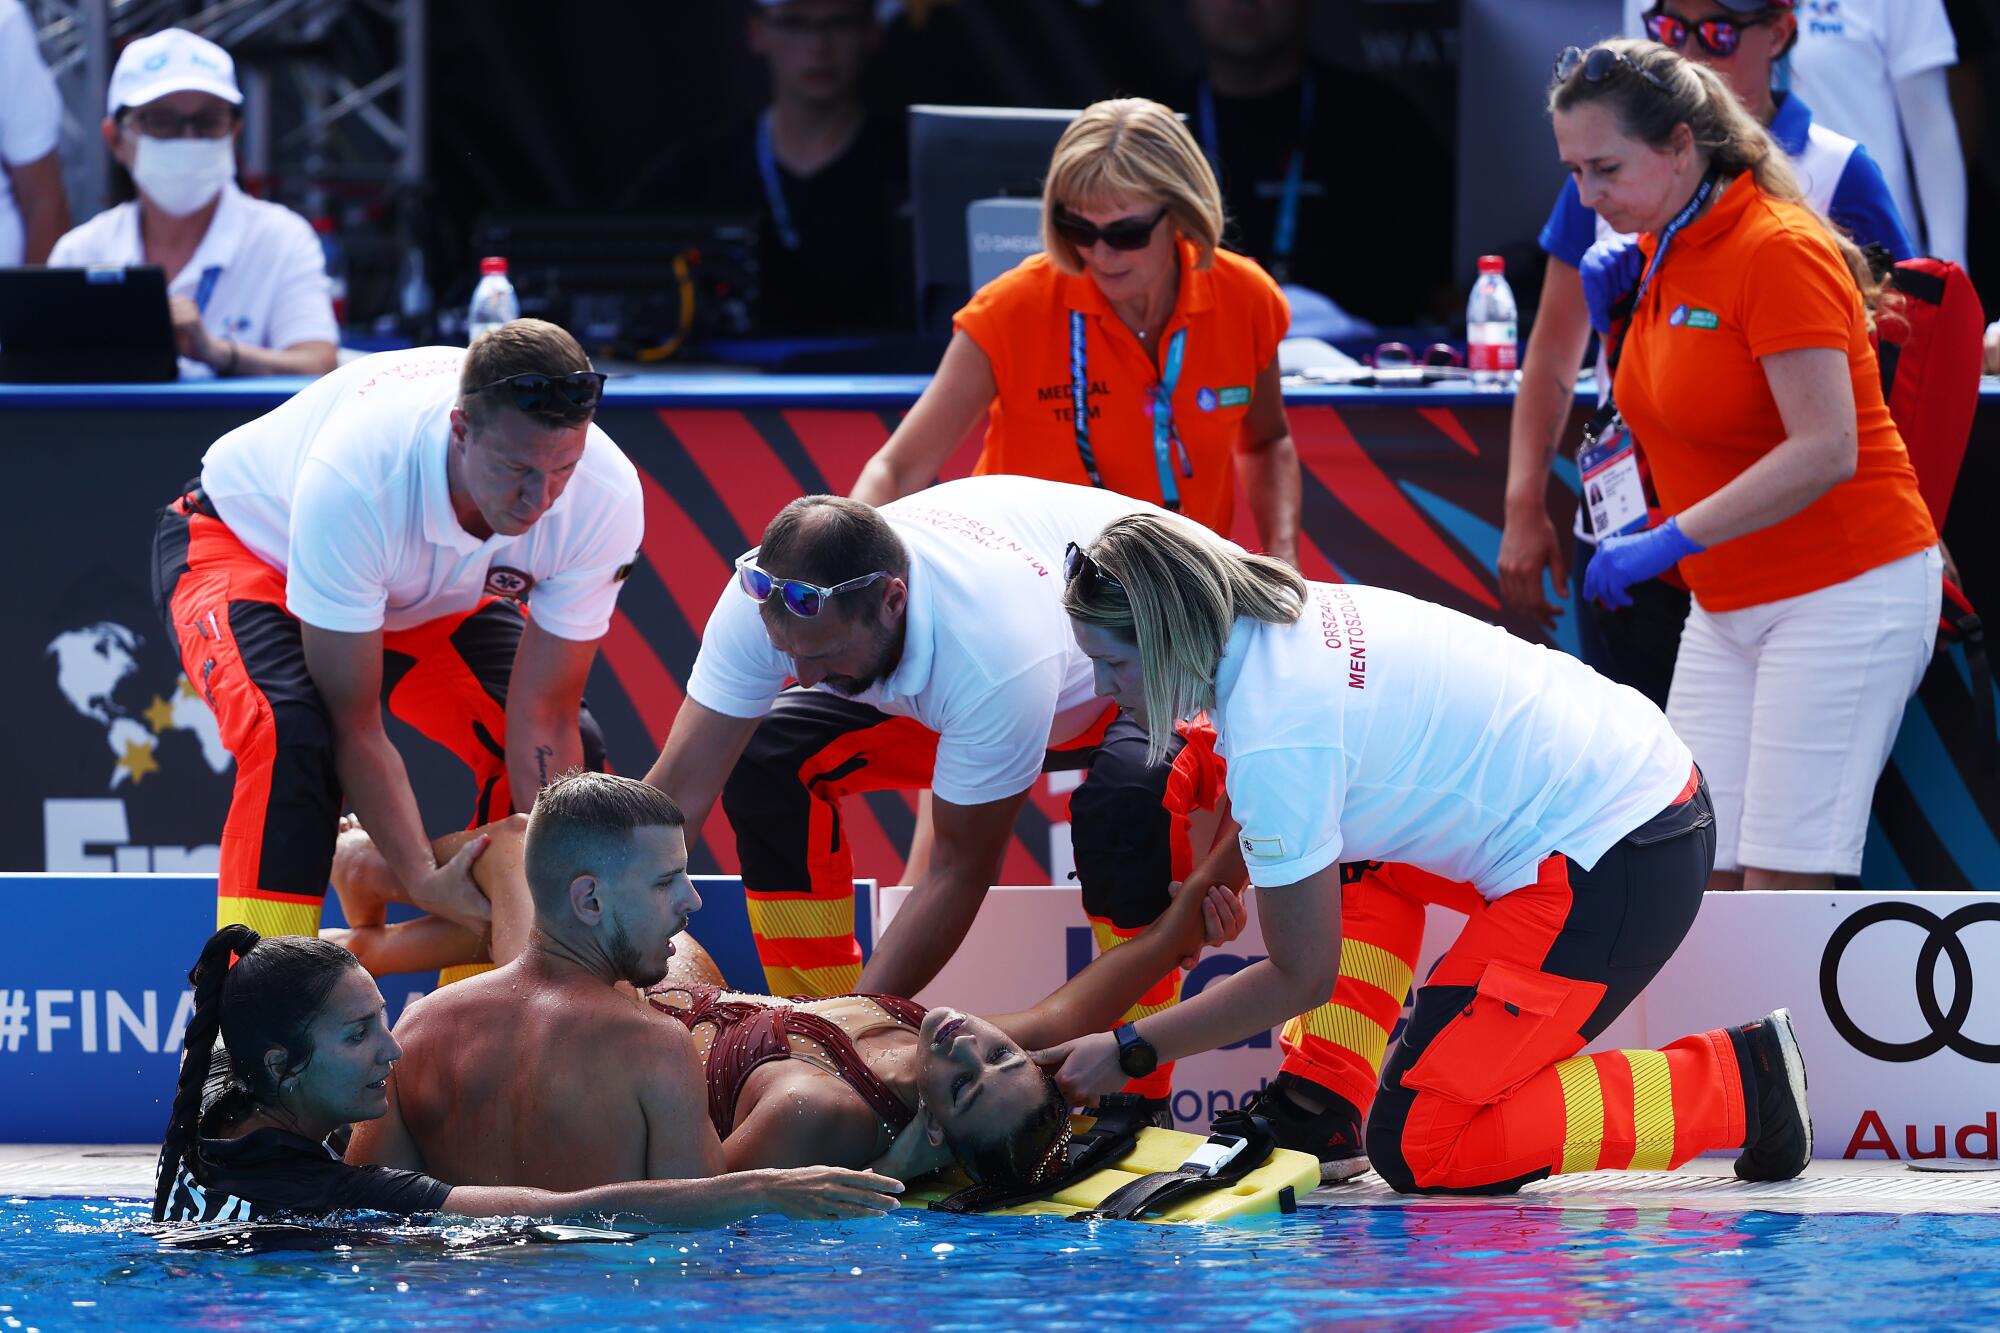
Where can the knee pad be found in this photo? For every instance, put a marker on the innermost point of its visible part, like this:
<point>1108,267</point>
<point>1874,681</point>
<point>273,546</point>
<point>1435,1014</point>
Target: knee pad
<point>1383,1136</point>
<point>1121,838</point>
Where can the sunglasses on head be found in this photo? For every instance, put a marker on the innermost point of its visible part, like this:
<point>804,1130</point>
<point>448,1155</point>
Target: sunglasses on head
<point>1081,572</point>
<point>1600,63</point>
<point>533,392</point>
<point>1718,37</point>
<point>802,599</point>
<point>1124,234</point>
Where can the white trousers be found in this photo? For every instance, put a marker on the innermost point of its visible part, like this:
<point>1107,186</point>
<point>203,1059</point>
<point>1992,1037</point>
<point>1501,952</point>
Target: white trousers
<point>1791,709</point>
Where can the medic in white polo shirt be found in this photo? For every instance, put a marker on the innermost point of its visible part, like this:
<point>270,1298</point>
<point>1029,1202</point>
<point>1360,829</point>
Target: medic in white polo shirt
<point>930,650</point>
<point>1362,724</point>
<point>246,280</point>
<point>376,540</point>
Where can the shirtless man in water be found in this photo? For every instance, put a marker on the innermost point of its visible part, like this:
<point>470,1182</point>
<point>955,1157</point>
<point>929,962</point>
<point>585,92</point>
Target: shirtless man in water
<point>545,1072</point>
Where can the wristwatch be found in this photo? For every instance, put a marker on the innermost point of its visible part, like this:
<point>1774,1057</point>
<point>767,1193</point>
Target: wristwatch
<point>1136,1055</point>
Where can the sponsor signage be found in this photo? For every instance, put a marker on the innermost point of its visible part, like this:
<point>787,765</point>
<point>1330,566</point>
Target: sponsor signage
<point>94,997</point>
<point>1896,999</point>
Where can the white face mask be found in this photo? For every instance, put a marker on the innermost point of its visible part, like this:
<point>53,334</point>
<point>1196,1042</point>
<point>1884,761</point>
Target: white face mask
<point>181,176</point>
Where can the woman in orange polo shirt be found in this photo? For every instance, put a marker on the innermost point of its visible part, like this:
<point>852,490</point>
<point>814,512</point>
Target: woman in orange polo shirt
<point>1133,311</point>
<point>1749,376</point>
<point>1171,344</point>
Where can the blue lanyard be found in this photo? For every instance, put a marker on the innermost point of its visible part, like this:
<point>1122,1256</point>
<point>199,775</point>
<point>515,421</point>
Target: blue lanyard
<point>1168,449</point>
<point>1284,234</point>
<point>206,289</point>
<point>1672,229</point>
<point>774,186</point>
<point>1681,219</point>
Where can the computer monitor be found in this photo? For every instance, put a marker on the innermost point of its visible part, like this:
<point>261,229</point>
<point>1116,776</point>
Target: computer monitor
<point>641,284</point>
<point>960,154</point>
<point>99,325</point>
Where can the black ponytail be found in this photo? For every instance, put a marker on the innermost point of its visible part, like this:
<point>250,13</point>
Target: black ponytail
<point>257,995</point>
<point>197,1050</point>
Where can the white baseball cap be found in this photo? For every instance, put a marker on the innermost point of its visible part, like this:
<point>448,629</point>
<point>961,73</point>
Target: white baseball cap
<point>172,61</point>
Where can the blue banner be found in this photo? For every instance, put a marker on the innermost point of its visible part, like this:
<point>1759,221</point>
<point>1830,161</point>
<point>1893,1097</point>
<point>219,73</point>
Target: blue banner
<point>94,996</point>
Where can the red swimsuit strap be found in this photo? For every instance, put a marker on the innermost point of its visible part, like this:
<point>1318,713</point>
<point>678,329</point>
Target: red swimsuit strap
<point>848,1064</point>
<point>739,1045</point>
<point>907,1012</point>
<point>749,1036</point>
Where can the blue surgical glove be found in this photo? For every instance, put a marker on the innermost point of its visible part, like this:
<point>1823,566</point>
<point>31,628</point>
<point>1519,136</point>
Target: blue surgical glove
<point>1620,562</point>
<point>1611,271</point>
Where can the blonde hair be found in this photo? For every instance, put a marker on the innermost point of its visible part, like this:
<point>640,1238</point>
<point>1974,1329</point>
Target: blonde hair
<point>1178,594</point>
<point>1126,149</point>
<point>1696,97</point>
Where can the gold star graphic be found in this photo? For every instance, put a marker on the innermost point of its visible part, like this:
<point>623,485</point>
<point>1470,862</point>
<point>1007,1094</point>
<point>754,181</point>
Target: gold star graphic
<point>185,689</point>
<point>139,761</point>
<point>160,716</point>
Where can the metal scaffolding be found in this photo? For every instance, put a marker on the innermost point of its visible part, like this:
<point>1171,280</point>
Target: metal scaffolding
<point>334,94</point>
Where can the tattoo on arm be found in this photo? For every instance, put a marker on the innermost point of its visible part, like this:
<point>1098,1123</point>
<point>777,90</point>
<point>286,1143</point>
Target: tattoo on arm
<point>542,753</point>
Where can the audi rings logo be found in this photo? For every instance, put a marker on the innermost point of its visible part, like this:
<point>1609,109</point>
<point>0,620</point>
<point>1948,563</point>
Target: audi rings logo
<point>1942,938</point>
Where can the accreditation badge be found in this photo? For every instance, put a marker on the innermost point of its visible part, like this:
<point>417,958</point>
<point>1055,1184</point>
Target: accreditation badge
<point>1614,496</point>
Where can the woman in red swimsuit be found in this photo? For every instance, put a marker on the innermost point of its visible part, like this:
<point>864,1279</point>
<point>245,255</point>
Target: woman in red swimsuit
<point>879,1081</point>
<point>848,1080</point>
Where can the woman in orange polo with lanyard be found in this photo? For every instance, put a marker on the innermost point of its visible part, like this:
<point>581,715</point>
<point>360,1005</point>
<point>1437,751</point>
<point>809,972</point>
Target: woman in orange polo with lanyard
<point>1132,354</point>
<point>1136,355</point>
<point>1748,373</point>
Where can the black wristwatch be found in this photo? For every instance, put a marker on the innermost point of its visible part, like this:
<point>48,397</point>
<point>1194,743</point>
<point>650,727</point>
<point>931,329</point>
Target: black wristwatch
<point>1136,1055</point>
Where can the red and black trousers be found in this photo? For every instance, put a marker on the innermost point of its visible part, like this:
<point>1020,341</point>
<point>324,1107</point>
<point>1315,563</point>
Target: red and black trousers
<point>814,751</point>
<point>244,653</point>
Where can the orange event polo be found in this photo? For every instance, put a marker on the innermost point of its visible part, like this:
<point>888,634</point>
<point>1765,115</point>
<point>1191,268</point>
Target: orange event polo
<point>1755,276</point>
<point>1234,316</point>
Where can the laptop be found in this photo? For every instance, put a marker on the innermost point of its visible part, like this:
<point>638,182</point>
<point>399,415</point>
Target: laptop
<point>100,325</point>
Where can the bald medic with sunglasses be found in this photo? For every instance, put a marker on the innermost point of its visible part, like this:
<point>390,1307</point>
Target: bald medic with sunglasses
<point>857,652</point>
<point>441,532</point>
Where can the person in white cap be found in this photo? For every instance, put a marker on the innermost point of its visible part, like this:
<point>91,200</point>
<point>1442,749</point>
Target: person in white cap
<point>246,279</point>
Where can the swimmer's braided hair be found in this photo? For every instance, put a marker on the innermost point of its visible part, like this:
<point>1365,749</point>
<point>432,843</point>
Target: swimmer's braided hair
<point>258,994</point>
<point>1028,1153</point>
<point>1070,1157</point>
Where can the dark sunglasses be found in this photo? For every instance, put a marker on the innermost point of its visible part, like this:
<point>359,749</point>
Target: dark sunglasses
<point>1399,354</point>
<point>802,599</point>
<point>1081,572</point>
<point>1718,37</point>
<point>1124,234</point>
<point>1600,63</point>
<point>533,392</point>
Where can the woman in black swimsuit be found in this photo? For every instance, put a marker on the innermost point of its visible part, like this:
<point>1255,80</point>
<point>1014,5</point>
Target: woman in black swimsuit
<point>309,1052</point>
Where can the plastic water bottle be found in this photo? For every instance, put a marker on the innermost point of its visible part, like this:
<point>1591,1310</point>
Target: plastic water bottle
<point>1492,327</point>
<point>336,266</point>
<point>493,300</point>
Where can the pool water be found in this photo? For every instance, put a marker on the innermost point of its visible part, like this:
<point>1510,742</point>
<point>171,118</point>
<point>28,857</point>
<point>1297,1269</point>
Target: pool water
<point>77,1263</point>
